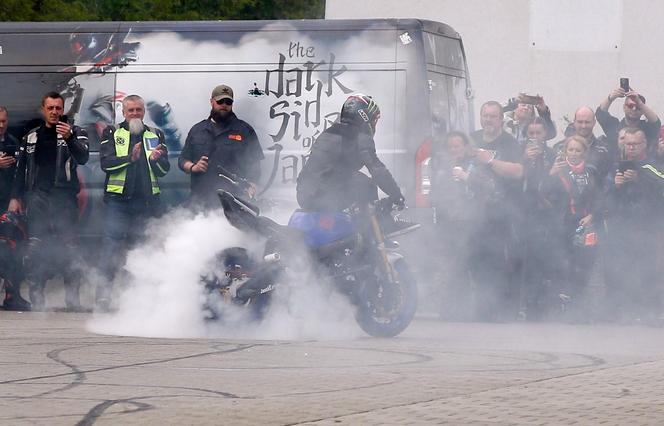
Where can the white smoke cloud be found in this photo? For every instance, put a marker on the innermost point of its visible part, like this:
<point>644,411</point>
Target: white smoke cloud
<point>161,295</point>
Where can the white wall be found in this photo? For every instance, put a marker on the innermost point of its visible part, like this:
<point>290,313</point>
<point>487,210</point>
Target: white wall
<point>581,47</point>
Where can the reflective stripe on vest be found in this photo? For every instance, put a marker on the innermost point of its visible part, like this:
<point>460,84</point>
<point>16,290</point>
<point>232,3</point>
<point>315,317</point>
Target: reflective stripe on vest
<point>116,180</point>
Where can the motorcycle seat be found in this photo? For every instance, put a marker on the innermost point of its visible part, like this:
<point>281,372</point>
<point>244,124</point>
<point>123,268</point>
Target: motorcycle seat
<point>271,227</point>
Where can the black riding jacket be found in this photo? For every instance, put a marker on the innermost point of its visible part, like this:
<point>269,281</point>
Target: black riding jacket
<point>339,152</point>
<point>69,153</point>
<point>231,144</point>
<point>10,147</point>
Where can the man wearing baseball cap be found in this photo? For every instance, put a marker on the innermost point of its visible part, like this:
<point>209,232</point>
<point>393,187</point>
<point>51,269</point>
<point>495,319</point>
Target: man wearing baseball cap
<point>223,140</point>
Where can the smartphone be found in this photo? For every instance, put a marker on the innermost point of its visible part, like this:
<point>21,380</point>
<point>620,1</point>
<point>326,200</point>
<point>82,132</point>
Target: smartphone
<point>152,143</point>
<point>529,99</point>
<point>64,119</point>
<point>624,84</point>
<point>624,165</point>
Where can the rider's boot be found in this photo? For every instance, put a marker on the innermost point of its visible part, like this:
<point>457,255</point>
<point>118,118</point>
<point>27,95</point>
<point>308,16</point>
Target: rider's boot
<point>13,300</point>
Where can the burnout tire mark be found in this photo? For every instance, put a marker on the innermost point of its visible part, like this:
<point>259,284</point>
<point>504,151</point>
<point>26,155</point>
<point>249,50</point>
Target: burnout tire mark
<point>419,359</point>
<point>595,361</point>
<point>136,364</point>
<point>373,386</point>
<point>550,359</point>
<point>79,376</point>
<point>98,410</point>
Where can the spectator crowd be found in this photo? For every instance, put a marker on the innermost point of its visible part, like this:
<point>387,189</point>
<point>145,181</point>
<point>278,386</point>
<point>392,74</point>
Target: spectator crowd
<point>39,184</point>
<point>526,219</point>
<point>529,223</point>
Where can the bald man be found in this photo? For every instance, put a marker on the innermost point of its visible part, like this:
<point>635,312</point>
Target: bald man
<point>598,152</point>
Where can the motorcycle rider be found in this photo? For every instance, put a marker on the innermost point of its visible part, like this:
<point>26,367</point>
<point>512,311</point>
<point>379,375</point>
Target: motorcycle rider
<point>331,180</point>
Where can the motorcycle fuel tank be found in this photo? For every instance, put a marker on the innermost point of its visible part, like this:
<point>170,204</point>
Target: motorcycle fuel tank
<point>322,228</point>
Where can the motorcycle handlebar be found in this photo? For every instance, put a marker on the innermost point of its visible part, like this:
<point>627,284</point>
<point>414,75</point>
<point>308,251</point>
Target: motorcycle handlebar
<point>387,205</point>
<point>236,180</point>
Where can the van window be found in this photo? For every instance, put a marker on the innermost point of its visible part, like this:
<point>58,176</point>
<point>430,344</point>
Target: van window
<point>448,83</point>
<point>444,53</point>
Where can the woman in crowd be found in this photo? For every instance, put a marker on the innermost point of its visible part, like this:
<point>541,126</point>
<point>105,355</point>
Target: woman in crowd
<point>459,190</point>
<point>571,189</point>
<point>538,159</point>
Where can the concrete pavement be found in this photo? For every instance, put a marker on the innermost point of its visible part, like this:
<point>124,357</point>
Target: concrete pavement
<point>54,372</point>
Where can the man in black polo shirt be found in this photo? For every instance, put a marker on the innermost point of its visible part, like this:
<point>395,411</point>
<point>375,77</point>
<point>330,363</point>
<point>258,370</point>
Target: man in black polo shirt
<point>494,272</point>
<point>223,140</point>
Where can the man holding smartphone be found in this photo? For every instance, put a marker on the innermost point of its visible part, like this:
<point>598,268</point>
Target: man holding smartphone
<point>133,156</point>
<point>223,140</point>
<point>494,254</point>
<point>8,156</point>
<point>11,267</point>
<point>519,111</point>
<point>45,188</point>
<point>634,204</point>
<point>634,108</point>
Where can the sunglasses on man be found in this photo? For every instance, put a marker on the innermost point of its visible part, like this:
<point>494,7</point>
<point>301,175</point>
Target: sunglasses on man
<point>225,101</point>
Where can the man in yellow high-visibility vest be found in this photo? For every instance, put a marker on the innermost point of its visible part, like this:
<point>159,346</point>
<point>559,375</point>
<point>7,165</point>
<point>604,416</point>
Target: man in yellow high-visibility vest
<point>133,156</point>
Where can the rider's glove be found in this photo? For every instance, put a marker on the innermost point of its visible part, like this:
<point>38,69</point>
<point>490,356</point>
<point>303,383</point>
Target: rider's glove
<point>399,202</point>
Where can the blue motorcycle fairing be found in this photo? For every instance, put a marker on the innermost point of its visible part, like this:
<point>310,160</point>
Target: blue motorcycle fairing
<point>322,228</point>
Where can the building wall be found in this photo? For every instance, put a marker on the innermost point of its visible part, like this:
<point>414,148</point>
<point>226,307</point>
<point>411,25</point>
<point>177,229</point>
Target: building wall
<point>571,51</point>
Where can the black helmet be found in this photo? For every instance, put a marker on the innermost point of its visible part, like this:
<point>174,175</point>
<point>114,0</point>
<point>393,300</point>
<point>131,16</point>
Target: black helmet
<point>12,229</point>
<point>360,109</point>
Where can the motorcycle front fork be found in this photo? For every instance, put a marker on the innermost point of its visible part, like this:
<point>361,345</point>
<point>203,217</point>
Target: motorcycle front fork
<point>390,273</point>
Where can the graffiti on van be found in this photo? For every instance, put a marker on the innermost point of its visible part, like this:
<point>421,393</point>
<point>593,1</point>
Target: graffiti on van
<point>303,96</point>
<point>298,107</point>
<point>87,96</point>
<point>295,82</point>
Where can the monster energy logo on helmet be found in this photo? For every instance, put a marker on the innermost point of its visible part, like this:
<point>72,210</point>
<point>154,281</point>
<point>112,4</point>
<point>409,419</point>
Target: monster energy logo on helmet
<point>362,106</point>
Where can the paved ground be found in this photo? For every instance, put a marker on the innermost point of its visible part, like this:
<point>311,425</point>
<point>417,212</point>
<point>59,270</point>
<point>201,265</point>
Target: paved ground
<point>54,372</point>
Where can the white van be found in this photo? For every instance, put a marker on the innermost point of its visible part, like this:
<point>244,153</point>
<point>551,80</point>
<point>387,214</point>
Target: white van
<point>290,79</point>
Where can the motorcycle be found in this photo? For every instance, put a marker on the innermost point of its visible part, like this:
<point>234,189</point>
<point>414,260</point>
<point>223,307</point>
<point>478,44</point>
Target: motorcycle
<point>347,248</point>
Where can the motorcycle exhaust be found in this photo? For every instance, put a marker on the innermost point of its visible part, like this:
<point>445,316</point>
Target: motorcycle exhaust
<point>261,282</point>
<point>272,258</point>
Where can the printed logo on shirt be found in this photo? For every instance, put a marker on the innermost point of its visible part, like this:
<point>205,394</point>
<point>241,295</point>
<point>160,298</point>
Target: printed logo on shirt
<point>119,141</point>
<point>235,137</point>
<point>494,153</point>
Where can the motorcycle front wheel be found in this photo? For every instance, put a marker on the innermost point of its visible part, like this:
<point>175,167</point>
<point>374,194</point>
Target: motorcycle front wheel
<point>385,309</point>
